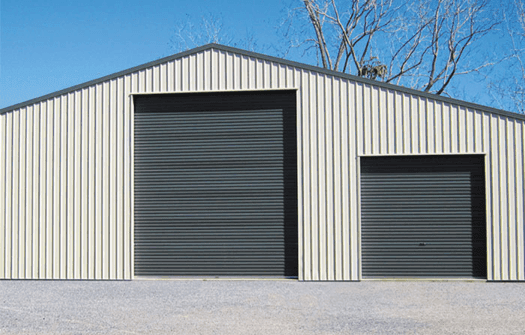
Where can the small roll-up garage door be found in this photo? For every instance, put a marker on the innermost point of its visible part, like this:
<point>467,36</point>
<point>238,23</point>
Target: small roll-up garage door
<point>423,216</point>
<point>216,184</point>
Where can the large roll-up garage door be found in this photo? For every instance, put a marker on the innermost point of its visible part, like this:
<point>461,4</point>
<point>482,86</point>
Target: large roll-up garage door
<point>423,216</point>
<point>216,184</point>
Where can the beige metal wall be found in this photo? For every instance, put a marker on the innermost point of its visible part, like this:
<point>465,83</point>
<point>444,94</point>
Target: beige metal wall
<point>65,199</point>
<point>395,123</point>
<point>67,163</point>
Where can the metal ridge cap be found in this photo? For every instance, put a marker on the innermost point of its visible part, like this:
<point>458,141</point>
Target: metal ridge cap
<point>291,63</point>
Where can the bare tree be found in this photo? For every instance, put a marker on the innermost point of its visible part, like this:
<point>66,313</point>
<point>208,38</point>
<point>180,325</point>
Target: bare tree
<point>417,43</point>
<point>209,28</point>
<point>507,84</point>
<point>343,40</point>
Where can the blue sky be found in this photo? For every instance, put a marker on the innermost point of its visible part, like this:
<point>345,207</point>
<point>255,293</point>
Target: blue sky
<point>48,45</point>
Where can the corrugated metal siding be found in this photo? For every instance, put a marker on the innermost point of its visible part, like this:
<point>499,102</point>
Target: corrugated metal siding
<point>65,192</point>
<point>338,120</point>
<point>329,196</point>
<point>417,125</point>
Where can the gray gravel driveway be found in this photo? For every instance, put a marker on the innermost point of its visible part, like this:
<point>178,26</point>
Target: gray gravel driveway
<point>261,307</point>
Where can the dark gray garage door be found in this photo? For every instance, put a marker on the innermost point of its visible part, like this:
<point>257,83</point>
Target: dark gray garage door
<point>215,184</point>
<point>423,216</point>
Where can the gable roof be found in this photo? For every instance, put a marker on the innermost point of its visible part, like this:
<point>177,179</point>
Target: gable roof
<point>269,59</point>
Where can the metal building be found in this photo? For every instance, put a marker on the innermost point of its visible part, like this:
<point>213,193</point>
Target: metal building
<point>219,161</point>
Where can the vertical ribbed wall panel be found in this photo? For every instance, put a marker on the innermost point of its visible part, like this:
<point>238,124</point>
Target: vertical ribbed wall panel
<point>420,126</point>
<point>63,198</point>
<point>66,166</point>
<point>327,163</point>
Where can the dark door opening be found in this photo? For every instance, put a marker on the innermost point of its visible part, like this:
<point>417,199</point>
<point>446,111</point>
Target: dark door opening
<point>423,216</point>
<point>216,184</point>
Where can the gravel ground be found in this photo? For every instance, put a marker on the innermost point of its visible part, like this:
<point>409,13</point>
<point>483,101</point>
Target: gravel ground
<point>261,307</point>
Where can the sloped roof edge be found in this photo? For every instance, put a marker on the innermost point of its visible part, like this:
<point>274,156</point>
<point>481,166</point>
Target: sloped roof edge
<point>270,59</point>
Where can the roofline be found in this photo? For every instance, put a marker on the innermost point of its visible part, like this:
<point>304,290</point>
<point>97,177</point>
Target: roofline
<point>106,78</point>
<point>270,59</point>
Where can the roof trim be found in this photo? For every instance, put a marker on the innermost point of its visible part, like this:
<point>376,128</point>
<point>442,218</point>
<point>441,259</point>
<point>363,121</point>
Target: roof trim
<point>106,78</point>
<point>270,59</point>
